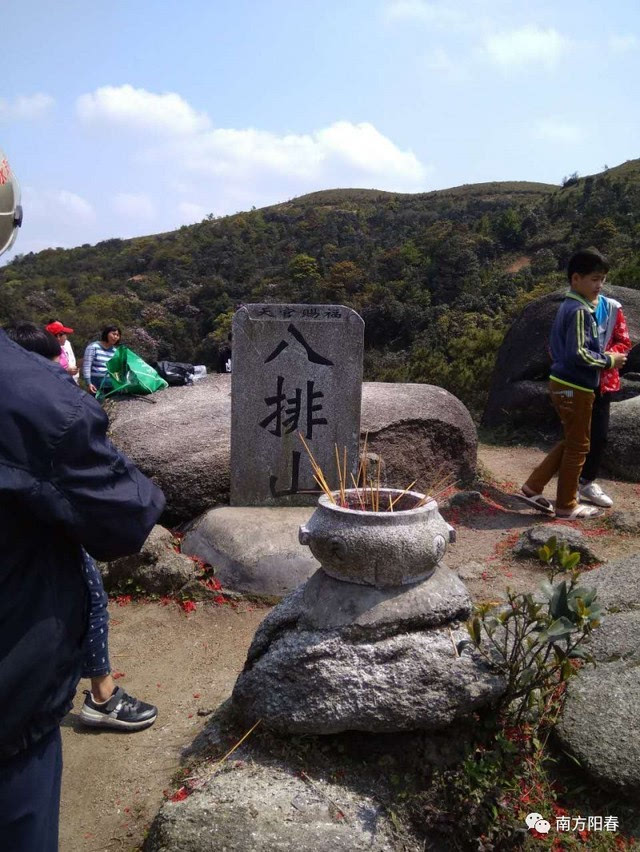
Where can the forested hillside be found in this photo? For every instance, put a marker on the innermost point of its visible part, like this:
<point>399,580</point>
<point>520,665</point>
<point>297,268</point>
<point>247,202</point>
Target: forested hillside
<point>436,276</point>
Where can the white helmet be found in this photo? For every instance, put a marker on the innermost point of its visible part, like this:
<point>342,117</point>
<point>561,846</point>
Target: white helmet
<point>10,208</point>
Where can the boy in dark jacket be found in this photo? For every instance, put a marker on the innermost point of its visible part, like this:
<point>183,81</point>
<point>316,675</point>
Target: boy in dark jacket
<point>63,486</point>
<point>577,361</point>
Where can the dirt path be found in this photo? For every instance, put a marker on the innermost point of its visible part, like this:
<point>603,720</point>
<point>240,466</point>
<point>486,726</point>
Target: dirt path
<point>113,783</point>
<point>487,532</point>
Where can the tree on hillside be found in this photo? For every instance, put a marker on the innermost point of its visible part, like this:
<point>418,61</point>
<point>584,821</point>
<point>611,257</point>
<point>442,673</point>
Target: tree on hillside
<point>417,267</point>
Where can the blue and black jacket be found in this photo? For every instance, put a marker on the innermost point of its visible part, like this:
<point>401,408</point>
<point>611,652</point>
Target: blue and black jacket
<point>576,355</point>
<point>63,486</point>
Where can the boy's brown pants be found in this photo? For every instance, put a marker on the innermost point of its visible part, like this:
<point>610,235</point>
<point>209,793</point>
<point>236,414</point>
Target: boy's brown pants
<point>567,457</point>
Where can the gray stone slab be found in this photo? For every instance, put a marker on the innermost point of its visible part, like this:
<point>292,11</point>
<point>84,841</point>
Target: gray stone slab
<point>364,611</point>
<point>296,368</point>
<point>254,550</point>
<point>356,612</point>
<point>253,807</point>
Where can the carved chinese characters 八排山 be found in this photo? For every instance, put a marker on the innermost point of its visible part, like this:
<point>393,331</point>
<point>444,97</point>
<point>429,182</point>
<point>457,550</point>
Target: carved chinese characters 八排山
<point>297,371</point>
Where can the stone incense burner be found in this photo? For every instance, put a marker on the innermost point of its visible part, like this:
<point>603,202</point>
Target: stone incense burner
<point>378,548</point>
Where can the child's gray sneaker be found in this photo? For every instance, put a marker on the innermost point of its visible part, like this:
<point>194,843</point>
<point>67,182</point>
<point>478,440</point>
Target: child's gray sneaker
<point>122,712</point>
<point>592,493</point>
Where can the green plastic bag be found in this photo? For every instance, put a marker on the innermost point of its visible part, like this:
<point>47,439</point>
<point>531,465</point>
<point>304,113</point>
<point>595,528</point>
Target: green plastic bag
<point>130,374</point>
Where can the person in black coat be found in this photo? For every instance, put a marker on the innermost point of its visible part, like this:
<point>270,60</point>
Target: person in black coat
<point>63,486</point>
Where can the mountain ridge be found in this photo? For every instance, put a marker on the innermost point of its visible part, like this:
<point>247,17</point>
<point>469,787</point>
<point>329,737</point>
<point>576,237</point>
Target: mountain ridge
<point>436,275</point>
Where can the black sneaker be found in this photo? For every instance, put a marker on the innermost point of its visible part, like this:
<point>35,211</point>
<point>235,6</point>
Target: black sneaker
<point>121,711</point>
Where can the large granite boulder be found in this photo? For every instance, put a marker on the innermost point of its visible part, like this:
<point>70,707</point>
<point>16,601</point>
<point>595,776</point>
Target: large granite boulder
<point>417,429</point>
<point>518,394</point>
<point>600,724</point>
<point>337,656</point>
<point>629,382</point>
<point>617,584</point>
<point>181,438</point>
<point>622,454</point>
<point>255,550</point>
<point>617,637</point>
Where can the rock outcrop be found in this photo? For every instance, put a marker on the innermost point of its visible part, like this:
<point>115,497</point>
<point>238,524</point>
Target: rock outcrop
<point>181,438</point>
<point>622,454</point>
<point>518,394</point>
<point>182,441</point>
<point>157,569</point>
<point>258,807</point>
<point>337,656</point>
<point>416,429</point>
<point>531,540</point>
<point>600,725</point>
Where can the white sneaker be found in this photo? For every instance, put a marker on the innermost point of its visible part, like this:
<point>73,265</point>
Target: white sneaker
<point>592,493</point>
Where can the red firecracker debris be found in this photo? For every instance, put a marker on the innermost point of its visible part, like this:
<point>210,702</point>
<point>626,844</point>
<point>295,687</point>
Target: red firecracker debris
<point>180,795</point>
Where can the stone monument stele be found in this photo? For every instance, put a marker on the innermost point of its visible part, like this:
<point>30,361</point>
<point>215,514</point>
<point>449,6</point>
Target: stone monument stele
<point>297,370</point>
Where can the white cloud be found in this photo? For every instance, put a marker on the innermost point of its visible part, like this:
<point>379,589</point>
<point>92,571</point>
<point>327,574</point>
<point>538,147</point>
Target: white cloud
<point>204,169</point>
<point>623,43</point>
<point>368,151</point>
<point>53,218</point>
<point>73,205</point>
<point>58,205</point>
<point>26,107</point>
<point>226,152</point>
<point>134,206</point>
<point>341,154</point>
<point>526,46</point>
<point>557,130</point>
<point>431,14</point>
<point>190,212</point>
<point>139,109</point>
<point>441,63</point>
<point>33,203</point>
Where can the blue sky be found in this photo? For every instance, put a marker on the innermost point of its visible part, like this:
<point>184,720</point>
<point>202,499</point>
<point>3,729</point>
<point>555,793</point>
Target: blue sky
<point>124,118</point>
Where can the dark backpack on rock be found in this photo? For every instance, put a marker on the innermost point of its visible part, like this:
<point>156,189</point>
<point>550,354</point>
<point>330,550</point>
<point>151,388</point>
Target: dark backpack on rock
<point>175,373</point>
